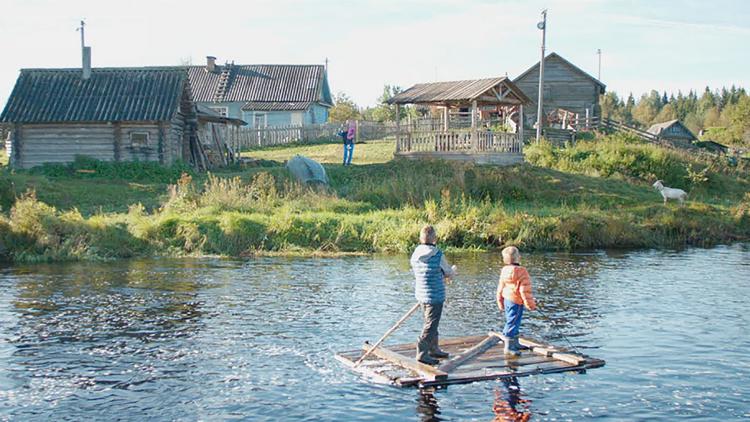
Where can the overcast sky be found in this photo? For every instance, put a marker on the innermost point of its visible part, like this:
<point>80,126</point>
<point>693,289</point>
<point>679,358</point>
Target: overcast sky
<point>646,44</point>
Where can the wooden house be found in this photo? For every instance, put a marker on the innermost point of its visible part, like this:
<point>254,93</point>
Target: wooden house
<point>110,114</point>
<point>263,95</point>
<point>567,88</point>
<point>673,130</point>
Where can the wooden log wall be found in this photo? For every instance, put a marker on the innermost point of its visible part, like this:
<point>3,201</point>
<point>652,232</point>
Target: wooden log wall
<point>564,88</point>
<point>37,144</point>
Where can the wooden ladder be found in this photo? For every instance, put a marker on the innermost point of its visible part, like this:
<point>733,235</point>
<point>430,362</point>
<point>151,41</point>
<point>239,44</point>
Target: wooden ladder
<point>221,87</point>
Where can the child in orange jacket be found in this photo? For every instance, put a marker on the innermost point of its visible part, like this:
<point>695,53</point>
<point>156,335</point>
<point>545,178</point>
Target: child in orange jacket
<point>513,294</point>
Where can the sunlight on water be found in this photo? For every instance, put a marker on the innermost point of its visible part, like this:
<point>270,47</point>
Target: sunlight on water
<point>216,339</point>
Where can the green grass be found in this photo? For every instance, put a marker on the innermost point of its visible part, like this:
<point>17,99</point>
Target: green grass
<point>595,194</point>
<point>370,152</point>
<point>3,157</point>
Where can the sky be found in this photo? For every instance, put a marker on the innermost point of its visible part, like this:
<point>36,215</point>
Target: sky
<point>645,44</point>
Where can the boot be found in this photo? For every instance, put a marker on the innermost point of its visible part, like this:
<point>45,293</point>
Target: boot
<point>439,354</point>
<point>428,360</point>
<point>511,347</point>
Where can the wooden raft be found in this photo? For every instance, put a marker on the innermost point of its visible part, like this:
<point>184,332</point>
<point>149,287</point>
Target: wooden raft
<point>472,358</point>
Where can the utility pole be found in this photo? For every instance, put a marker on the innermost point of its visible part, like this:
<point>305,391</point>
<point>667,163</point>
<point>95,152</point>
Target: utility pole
<point>599,52</point>
<point>543,26</point>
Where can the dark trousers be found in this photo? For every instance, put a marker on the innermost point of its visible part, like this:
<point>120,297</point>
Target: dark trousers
<point>348,152</point>
<point>428,340</point>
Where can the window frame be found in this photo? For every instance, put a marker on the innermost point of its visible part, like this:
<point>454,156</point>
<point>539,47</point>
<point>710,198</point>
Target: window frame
<point>145,144</point>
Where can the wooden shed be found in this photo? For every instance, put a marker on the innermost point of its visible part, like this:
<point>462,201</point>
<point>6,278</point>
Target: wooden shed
<point>672,130</point>
<point>114,114</point>
<point>566,88</point>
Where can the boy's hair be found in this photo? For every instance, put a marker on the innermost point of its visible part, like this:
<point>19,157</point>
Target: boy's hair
<point>427,236</point>
<point>511,255</point>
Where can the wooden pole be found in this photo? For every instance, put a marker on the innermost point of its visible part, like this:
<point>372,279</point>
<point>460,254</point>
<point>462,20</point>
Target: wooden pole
<point>398,128</point>
<point>446,116</point>
<point>387,333</point>
<point>474,134</point>
<point>520,125</point>
<point>543,26</point>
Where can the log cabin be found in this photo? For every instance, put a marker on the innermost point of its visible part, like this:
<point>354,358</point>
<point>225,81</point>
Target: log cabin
<point>109,114</point>
<point>566,88</point>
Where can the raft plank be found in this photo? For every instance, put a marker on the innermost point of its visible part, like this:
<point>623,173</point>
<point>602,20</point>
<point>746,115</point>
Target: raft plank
<point>427,371</point>
<point>480,347</point>
<point>476,358</point>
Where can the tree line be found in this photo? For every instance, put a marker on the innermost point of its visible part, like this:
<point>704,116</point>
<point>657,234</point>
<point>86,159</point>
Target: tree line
<point>721,115</point>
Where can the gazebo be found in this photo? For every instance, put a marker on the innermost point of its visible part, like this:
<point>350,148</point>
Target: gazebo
<point>481,98</point>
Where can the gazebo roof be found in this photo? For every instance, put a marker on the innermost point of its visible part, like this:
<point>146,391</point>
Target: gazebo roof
<point>486,91</point>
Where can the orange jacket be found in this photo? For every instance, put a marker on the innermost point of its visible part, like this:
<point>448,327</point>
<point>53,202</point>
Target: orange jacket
<point>515,285</point>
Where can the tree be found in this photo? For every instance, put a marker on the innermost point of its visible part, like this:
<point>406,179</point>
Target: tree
<point>611,105</point>
<point>667,113</point>
<point>738,128</point>
<point>385,112</point>
<point>647,108</point>
<point>344,109</point>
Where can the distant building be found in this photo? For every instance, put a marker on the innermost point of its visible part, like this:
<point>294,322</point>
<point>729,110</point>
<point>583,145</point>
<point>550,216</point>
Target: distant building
<point>110,114</point>
<point>263,95</point>
<point>672,130</point>
<point>566,87</point>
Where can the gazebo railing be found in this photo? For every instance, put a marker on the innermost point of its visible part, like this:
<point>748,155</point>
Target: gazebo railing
<point>460,141</point>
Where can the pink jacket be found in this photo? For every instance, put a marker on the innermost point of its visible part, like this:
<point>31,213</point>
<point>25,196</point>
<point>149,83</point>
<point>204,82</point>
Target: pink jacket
<point>352,132</point>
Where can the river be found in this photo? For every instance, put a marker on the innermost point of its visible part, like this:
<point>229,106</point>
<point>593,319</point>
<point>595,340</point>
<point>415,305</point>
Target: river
<point>215,339</point>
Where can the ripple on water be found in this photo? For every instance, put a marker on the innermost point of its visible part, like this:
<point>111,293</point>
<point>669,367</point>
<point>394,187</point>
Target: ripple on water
<point>220,339</point>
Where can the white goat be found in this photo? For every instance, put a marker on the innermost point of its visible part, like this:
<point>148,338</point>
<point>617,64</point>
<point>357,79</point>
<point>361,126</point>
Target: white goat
<point>670,193</point>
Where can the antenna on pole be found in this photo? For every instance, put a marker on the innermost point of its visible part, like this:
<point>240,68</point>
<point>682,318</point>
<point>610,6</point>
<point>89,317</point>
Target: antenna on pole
<point>599,52</point>
<point>543,26</point>
<point>85,54</point>
<point>81,29</point>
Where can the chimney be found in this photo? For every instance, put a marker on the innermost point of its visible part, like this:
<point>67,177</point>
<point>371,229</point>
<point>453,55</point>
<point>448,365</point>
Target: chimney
<point>86,65</point>
<point>210,63</point>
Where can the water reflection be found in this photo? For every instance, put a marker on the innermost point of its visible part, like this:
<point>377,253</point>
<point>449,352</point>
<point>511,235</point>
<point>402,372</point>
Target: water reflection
<point>510,405</point>
<point>427,405</point>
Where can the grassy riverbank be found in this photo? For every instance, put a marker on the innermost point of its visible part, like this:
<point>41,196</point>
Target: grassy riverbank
<point>595,195</point>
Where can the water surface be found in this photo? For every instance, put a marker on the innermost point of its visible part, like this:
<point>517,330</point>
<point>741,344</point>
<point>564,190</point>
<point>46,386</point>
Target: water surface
<point>211,339</point>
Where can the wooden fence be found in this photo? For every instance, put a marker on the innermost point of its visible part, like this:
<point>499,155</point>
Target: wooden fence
<point>464,141</point>
<point>246,138</point>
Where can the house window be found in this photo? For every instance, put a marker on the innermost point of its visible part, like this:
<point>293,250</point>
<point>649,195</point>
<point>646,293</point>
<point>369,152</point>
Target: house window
<point>139,139</point>
<point>260,120</point>
<point>224,111</point>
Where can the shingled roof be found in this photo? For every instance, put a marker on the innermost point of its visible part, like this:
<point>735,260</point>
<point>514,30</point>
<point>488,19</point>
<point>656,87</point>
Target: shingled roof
<point>454,91</point>
<point>261,83</point>
<point>110,94</point>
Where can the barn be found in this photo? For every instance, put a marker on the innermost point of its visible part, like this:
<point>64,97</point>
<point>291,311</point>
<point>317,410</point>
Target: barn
<point>567,88</point>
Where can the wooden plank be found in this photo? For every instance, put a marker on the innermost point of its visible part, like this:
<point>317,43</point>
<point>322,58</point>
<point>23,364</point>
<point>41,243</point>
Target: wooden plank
<point>427,371</point>
<point>479,348</point>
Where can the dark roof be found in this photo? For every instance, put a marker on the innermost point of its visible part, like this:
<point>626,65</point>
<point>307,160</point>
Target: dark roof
<point>111,94</point>
<point>601,85</point>
<point>658,128</point>
<point>261,83</point>
<point>276,106</point>
<point>207,114</point>
<point>454,91</point>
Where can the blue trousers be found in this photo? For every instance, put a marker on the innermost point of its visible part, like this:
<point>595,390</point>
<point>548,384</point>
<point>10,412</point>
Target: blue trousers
<point>513,315</point>
<point>348,152</point>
